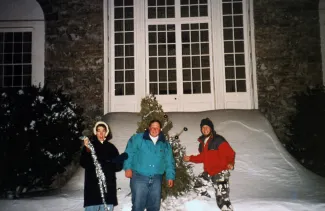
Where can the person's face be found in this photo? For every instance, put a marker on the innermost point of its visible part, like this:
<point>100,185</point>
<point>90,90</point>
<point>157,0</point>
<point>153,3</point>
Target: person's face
<point>154,129</point>
<point>206,130</point>
<point>100,133</point>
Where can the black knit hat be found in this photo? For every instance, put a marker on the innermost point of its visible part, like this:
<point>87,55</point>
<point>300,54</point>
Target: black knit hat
<point>207,122</point>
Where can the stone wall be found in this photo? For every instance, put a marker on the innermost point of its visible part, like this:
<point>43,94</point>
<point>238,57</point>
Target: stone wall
<point>287,51</point>
<point>288,55</point>
<point>74,53</point>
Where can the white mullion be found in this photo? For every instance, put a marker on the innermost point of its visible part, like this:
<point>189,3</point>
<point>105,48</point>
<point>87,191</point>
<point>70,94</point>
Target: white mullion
<point>174,20</point>
<point>16,29</point>
<point>179,60</point>
<point>233,42</point>
<point>249,45</point>
<point>177,9</point>
<point>140,56</point>
<point>253,57</point>
<point>107,98</point>
<point>218,53</point>
<point>247,52</point>
<point>111,56</point>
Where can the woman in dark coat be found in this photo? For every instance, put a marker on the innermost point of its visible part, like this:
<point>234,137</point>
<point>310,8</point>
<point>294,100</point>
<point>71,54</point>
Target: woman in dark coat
<point>106,154</point>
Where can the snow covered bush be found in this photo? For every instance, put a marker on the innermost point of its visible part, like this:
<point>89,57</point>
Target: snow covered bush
<point>39,131</point>
<point>307,130</point>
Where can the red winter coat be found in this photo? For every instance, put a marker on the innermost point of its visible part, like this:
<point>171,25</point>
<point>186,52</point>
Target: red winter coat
<point>215,155</point>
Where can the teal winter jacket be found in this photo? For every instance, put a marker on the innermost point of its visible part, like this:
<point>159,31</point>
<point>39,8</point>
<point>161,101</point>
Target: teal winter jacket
<point>147,158</point>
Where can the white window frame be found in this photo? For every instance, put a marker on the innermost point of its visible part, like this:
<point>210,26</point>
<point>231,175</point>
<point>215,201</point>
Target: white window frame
<point>218,78</point>
<point>38,45</point>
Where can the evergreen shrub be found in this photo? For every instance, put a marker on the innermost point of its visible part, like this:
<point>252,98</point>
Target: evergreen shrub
<point>307,130</point>
<point>39,131</point>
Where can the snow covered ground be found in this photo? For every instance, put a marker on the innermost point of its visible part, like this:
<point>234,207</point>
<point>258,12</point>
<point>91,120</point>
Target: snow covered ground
<point>266,177</point>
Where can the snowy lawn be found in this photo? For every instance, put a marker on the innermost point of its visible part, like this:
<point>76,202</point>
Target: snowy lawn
<point>266,177</point>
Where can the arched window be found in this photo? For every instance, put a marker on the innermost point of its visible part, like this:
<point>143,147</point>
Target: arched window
<point>22,43</point>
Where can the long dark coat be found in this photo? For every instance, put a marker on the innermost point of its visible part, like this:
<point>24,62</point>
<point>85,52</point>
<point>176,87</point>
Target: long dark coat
<point>105,152</point>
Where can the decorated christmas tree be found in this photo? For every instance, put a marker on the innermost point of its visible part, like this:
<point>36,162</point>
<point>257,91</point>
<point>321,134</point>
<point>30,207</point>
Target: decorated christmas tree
<point>150,110</point>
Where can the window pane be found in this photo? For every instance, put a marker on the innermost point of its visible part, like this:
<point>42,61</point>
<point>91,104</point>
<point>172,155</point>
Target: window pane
<point>162,62</point>
<point>205,74</point>
<point>129,50</point>
<point>128,12</point>
<point>119,89</point>
<point>241,86</point>
<point>152,13</point>
<point>171,62</point>
<point>230,86</point>
<point>129,63</point>
<point>171,75</point>
<point>186,75</point>
<point>129,76</point>
<point>196,75</point>
<point>172,88</point>
<point>204,36</point>
<point>238,8</point>
<point>240,72</point>
<point>196,87</point>
<point>163,88</point>
<point>152,63</point>
<point>170,12</point>
<point>153,75</point>
<point>161,50</point>
<point>153,88</point>
<point>162,75</point>
<point>227,21</point>
<point>239,46</point>
<point>119,63</point>
<point>239,34</point>
<point>230,73</point>
<point>228,47</point>
<point>161,11</point>
<point>226,8</point>
<point>118,13</point>
<point>187,88</point>
<point>119,76</point>
<point>204,48</point>
<point>195,49</point>
<point>203,10</point>
<point>119,50</point>
<point>238,21</point>
<point>240,59</point>
<point>152,50</point>
<point>229,59</point>
<point>129,89</point>
<point>152,37</point>
<point>206,88</point>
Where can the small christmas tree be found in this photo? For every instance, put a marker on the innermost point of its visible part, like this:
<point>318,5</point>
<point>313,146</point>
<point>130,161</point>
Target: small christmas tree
<point>150,110</point>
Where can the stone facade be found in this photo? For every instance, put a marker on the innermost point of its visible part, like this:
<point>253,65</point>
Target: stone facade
<point>74,51</point>
<point>287,52</point>
<point>288,55</point>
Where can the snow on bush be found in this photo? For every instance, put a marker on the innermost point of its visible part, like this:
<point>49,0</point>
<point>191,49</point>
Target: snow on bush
<point>39,131</point>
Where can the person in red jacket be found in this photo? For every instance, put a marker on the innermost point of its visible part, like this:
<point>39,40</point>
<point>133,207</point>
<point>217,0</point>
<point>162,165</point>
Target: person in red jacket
<point>218,158</point>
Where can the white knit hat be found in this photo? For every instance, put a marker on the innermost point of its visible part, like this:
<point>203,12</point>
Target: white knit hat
<point>101,123</point>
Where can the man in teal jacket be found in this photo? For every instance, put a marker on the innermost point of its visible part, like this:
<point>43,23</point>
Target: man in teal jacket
<point>149,157</point>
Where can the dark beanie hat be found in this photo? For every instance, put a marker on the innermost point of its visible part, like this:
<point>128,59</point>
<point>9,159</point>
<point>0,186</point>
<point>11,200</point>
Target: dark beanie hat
<point>207,122</point>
